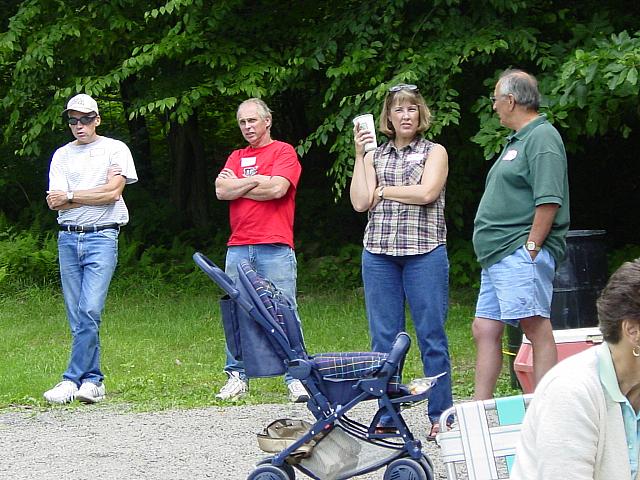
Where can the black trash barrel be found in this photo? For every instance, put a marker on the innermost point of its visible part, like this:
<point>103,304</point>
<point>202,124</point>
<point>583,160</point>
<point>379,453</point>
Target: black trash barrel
<point>579,280</point>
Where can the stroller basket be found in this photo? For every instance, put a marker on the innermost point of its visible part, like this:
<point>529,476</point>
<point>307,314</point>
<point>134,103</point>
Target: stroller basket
<point>341,455</point>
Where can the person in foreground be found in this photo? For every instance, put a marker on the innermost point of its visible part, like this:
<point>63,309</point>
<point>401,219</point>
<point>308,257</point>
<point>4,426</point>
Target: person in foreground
<point>260,183</point>
<point>86,180</point>
<point>401,184</point>
<point>519,234</point>
<point>584,420</point>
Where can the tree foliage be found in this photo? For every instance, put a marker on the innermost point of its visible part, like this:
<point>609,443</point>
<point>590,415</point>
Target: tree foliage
<point>170,75</point>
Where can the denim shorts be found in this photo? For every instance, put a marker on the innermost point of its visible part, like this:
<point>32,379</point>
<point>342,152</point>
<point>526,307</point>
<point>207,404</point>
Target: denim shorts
<point>517,287</point>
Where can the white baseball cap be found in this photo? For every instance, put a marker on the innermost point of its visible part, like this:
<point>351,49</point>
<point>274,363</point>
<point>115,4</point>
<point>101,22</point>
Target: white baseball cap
<point>82,103</point>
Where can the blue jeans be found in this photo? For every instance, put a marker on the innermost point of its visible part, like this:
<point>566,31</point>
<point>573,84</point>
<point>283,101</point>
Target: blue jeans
<point>277,262</point>
<point>87,262</point>
<point>423,281</point>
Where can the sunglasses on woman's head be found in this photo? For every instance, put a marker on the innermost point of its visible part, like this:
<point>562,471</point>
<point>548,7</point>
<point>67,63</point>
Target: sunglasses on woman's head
<point>403,86</point>
<point>84,120</point>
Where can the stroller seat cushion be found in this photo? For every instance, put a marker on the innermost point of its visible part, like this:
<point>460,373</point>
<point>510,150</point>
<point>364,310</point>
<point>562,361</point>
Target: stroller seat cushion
<point>352,366</point>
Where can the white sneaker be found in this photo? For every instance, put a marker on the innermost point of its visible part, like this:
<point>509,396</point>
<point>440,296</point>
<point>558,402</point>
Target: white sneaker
<point>234,389</point>
<point>64,392</point>
<point>91,392</point>
<point>297,392</point>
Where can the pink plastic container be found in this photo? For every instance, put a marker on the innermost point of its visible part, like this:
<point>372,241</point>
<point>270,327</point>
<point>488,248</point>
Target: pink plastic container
<point>568,342</point>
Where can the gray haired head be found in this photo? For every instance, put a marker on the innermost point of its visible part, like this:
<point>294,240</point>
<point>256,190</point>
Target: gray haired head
<point>620,300</point>
<point>522,86</point>
<point>263,110</point>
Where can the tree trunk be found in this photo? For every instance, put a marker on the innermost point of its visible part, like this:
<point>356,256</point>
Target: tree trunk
<point>189,185</point>
<point>140,142</point>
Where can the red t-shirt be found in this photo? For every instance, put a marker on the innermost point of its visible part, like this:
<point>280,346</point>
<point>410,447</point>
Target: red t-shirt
<point>254,222</point>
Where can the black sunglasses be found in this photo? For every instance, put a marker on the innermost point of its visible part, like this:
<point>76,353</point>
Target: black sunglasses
<point>84,120</point>
<point>403,86</point>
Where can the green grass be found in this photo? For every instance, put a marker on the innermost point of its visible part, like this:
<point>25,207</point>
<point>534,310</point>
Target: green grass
<point>164,348</point>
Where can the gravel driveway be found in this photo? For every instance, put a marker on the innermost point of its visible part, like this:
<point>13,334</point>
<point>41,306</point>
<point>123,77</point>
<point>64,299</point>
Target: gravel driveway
<point>102,442</point>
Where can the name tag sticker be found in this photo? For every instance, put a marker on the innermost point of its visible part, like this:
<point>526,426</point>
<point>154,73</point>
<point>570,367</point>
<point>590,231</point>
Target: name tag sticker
<point>247,161</point>
<point>510,155</point>
<point>415,157</point>
<point>96,152</point>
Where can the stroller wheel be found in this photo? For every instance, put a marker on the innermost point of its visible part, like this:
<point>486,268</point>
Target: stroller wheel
<point>268,472</point>
<point>427,464</point>
<point>405,469</point>
<point>288,469</point>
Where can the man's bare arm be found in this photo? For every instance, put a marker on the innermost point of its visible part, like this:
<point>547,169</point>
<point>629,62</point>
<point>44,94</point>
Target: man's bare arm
<point>542,223</point>
<point>269,188</point>
<point>230,187</point>
<point>105,194</point>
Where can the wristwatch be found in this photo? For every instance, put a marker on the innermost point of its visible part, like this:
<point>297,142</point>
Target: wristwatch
<point>532,247</point>
<point>70,196</point>
<point>381,193</point>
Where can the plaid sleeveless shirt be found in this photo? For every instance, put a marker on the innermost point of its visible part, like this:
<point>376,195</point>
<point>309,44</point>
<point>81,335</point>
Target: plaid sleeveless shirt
<point>396,228</point>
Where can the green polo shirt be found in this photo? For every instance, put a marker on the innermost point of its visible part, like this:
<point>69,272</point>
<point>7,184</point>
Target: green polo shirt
<point>531,171</point>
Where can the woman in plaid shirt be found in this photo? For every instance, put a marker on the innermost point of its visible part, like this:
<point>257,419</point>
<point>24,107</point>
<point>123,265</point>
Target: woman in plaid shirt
<point>401,184</point>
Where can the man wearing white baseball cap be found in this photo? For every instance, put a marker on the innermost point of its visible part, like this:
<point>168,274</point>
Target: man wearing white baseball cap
<point>86,180</point>
<point>82,103</point>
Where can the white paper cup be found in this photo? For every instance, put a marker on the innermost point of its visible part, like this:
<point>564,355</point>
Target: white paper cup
<point>365,122</point>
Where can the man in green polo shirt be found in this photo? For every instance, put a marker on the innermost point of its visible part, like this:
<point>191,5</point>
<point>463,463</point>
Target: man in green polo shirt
<point>519,232</point>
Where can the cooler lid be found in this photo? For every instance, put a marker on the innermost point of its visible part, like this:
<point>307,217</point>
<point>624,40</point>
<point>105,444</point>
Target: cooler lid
<point>574,335</point>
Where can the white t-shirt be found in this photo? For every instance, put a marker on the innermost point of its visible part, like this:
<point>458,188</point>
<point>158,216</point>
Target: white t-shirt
<point>81,167</point>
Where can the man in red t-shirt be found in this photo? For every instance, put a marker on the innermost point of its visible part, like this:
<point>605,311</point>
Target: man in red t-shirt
<point>260,181</point>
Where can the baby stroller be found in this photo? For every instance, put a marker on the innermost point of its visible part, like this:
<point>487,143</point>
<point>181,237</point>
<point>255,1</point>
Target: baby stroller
<point>262,328</point>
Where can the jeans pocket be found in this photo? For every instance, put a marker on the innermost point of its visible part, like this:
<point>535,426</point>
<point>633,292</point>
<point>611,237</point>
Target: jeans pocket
<point>110,233</point>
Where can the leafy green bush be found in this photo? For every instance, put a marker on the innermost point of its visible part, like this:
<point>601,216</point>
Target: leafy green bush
<point>26,258</point>
<point>152,268</point>
<point>342,271</point>
<point>619,256</point>
<point>331,272</point>
<point>29,257</point>
<point>464,269</point>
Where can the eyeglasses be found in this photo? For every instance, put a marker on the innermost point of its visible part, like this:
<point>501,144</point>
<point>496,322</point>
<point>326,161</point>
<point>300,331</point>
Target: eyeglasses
<point>493,98</point>
<point>403,86</point>
<point>84,120</point>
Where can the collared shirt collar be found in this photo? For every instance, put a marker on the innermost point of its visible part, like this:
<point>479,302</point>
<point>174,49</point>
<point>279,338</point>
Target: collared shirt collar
<point>391,146</point>
<point>524,131</point>
<point>607,373</point>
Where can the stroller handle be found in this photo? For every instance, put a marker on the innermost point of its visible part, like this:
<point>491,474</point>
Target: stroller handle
<point>397,354</point>
<point>216,274</point>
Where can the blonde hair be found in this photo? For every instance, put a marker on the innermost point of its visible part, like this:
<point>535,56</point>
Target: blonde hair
<point>401,96</point>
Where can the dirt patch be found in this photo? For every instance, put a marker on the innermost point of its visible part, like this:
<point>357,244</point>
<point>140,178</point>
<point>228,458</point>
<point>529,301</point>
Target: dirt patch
<point>102,442</point>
